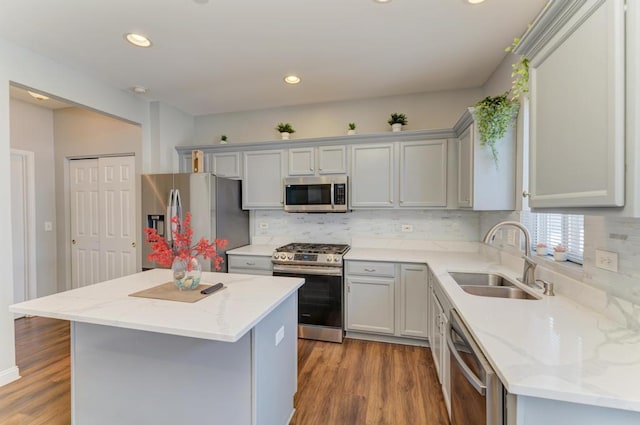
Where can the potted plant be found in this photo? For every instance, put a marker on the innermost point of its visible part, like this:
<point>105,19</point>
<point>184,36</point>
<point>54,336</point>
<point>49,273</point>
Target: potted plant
<point>541,248</point>
<point>223,139</point>
<point>397,120</point>
<point>520,73</point>
<point>352,129</point>
<point>285,130</point>
<point>493,116</point>
<point>560,253</point>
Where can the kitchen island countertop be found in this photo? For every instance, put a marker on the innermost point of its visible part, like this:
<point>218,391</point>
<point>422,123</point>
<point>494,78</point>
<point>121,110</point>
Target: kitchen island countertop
<point>223,316</point>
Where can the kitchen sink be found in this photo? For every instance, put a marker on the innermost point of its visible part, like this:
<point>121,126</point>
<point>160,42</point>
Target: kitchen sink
<point>498,292</point>
<point>480,279</point>
<point>489,285</point>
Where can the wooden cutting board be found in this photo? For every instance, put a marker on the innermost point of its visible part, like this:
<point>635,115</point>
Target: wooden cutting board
<point>169,291</point>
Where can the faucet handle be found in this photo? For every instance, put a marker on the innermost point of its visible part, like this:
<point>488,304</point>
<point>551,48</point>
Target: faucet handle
<point>547,286</point>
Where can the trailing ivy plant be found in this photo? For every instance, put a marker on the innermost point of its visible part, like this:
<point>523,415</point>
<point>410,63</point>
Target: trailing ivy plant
<point>520,73</point>
<point>493,116</point>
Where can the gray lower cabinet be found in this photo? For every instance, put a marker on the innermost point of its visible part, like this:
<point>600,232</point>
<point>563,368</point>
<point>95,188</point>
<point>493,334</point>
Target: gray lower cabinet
<point>250,264</point>
<point>439,321</point>
<point>387,298</point>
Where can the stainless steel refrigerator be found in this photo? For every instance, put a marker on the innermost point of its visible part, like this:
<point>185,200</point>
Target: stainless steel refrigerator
<point>215,204</point>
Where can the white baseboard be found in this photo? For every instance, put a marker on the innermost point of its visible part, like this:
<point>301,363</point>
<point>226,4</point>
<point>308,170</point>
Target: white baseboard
<point>387,338</point>
<point>9,375</point>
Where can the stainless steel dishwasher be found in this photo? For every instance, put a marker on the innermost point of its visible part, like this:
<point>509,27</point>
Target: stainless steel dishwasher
<point>476,390</point>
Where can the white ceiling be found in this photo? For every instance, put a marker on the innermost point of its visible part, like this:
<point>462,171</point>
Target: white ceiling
<point>213,56</point>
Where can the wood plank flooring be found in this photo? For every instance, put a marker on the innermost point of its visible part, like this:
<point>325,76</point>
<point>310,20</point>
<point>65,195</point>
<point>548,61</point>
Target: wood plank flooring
<point>354,383</point>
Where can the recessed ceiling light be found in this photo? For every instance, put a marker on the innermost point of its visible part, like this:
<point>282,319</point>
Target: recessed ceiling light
<point>292,79</point>
<point>139,89</point>
<point>382,1</point>
<point>475,1</point>
<point>38,95</point>
<point>137,39</point>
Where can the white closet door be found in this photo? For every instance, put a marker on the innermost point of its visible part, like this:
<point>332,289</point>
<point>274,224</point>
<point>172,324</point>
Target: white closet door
<point>117,216</point>
<point>102,193</point>
<point>18,227</point>
<point>85,228</point>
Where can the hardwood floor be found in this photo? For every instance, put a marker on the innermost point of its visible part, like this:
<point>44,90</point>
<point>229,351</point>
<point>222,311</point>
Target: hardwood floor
<point>43,394</point>
<point>368,383</point>
<point>354,383</point>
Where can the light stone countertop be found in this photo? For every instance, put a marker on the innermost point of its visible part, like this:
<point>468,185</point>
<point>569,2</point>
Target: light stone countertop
<point>551,348</point>
<point>226,315</point>
<point>262,250</point>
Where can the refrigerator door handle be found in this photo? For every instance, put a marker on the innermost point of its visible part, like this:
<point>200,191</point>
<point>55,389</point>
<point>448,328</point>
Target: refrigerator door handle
<point>169,233</point>
<point>178,203</point>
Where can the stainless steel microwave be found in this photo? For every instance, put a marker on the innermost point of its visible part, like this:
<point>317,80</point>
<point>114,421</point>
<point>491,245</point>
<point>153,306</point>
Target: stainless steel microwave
<point>315,194</point>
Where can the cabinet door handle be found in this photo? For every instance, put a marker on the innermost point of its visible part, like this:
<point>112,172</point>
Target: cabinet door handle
<point>413,270</point>
<point>370,270</point>
<point>525,194</point>
<point>249,263</point>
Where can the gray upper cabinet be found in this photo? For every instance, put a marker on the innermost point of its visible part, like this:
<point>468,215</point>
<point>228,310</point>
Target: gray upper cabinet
<point>577,80</point>
<point>262,179</point>
<point>302,162</point>
<point>372,176</point>
<point>483,184</point>
<point>332,160</point>
<point>226,164</point>
<point>423,174</point>
<point>317,161</point>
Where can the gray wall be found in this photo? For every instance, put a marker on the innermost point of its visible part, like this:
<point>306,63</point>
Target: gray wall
<point>424,110</point>
<point>83,133</point>
<point>32,130</point>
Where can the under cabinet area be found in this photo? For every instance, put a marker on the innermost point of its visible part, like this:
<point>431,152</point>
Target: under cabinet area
<point>250,264</point>
<point>387,299</point>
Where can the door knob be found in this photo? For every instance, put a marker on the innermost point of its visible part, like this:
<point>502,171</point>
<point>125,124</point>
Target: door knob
<point>133,244</point>
<point>73,241</point>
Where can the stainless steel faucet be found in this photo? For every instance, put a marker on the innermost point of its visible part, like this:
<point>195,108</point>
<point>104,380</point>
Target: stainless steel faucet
<point>528,273</point>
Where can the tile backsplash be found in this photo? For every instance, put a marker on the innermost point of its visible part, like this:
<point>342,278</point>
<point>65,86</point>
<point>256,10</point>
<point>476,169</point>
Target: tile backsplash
<point>378,224</point>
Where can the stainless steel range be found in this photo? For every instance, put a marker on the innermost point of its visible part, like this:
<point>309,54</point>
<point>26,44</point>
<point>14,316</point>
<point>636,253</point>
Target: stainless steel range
<point>320,299</point>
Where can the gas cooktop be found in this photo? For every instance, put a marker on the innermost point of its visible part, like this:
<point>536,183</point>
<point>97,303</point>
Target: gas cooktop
<point>310,254</point>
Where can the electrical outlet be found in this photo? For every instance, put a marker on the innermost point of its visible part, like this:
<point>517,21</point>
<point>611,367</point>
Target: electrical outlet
<point>407,228</point>
<point>607,260</point>
<point>263,225</point>
<point>511,237</point>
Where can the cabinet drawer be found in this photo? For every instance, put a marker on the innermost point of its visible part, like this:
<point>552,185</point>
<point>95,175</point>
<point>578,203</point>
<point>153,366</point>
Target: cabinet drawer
<point>369,268</point>
<point>249,262</point>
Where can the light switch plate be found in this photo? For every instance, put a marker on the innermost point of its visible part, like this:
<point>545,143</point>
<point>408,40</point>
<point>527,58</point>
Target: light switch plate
<point>607,260</point>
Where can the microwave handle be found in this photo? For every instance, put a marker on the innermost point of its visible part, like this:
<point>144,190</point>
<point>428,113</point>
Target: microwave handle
<point>333,201</point>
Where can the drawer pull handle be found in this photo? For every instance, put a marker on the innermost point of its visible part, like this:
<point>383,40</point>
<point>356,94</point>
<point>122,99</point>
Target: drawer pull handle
<point>249,263</point>
<point>370,270</point>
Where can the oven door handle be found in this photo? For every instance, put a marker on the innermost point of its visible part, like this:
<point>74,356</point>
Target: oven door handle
<point>475,381</point>
<point>323,271</point>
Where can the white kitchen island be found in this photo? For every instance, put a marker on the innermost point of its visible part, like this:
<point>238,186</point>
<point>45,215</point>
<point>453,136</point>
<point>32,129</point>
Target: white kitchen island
<point>228,359</point>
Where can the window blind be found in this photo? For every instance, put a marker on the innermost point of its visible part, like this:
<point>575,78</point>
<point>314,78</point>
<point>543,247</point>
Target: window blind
<point>554,229</point>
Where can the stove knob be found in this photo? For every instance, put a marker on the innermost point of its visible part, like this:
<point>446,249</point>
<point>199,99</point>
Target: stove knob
<point>283,256</point>
<point>275,255</point>
<point>289,257</point>
<point>336,259</point>
<point>328,258</point>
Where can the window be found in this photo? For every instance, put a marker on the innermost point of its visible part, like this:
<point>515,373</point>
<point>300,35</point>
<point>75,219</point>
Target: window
<point>554,229</point>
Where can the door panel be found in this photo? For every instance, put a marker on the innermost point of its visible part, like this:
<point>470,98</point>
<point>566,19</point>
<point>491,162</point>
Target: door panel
<point>103,236</point>
<point>85,235</point>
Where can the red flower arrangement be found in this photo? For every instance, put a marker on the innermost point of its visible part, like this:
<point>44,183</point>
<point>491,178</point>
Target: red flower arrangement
<point>164,254</point>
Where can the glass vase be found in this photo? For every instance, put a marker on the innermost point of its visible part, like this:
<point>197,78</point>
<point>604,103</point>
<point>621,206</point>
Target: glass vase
<point>186,273</point>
